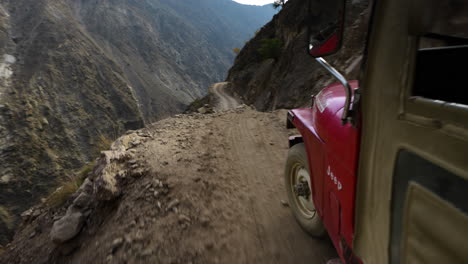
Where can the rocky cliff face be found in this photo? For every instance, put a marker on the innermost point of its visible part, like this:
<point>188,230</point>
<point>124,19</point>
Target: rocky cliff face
<point>289,80</point>
<point>74,74</point>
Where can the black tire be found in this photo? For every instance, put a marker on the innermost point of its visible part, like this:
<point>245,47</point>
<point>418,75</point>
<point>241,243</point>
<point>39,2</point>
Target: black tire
<point>302,208</point>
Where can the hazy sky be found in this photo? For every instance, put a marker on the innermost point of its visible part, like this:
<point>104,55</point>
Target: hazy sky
<point>254,2</point>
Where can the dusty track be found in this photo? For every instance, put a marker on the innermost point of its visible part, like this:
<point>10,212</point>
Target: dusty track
<point>230,170</point>
<point>225,101</point>
<point>222,203</point>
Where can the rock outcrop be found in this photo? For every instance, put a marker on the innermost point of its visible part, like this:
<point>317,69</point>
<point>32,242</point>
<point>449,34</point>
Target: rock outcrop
<point>103,185</point>
<point>289,80</point>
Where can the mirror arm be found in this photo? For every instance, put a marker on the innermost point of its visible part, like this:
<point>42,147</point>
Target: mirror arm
<point>346,117</point>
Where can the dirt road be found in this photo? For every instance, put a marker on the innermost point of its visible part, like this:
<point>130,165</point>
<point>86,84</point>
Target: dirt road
<point>225,101</point>
<point>228,169</point>
<point>212,195</point>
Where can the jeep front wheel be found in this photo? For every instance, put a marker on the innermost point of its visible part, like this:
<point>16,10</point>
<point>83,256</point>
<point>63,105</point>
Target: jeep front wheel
<point>298,187</point>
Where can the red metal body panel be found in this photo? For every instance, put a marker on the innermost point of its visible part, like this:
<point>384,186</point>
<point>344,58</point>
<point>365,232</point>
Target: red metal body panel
<point>332,150</point>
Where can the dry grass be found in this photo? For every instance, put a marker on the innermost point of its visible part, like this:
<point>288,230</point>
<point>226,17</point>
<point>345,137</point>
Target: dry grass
<point>103,143</point>
<point>85,170</point>
<point>61,195</point>
<point>69,186</point>
<point>6,217</point>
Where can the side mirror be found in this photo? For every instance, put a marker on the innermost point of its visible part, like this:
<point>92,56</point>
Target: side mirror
<point>325,30</point>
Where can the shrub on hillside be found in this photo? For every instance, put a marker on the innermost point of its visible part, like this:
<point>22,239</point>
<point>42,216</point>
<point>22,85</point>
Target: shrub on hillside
<point>270,48</point>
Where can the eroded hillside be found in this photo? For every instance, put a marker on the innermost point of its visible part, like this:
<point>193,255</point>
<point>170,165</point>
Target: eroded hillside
<point>288,78</point>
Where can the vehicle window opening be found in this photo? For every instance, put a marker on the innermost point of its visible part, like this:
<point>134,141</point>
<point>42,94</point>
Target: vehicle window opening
<point>441,74</point>
<point>442,54</point>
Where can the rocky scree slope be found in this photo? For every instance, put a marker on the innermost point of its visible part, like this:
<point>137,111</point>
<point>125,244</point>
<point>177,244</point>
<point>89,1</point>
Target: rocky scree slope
<point>74,74</point>
<point>289,80</point>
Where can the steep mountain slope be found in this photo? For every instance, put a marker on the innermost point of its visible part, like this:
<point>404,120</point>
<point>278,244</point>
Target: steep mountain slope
<point>289,80</point>
<point>170,51</point>
<point>76,73</point>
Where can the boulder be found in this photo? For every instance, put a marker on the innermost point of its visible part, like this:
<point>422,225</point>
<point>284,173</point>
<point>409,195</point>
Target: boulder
<point>202,110</point>
<point>67,227</point>
<point>82,201</point>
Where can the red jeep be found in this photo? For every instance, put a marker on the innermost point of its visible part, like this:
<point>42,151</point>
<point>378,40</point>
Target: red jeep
<point>381,165</point>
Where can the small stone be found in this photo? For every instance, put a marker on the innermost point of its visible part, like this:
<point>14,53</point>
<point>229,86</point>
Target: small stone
<point>33,234</point>
<point>36,213</point>
<point>116,244</point>
<point>26,214</point>
<point>172,204</point>
<point>183,219</point>
<point>6,178</point>
<point>284,203</point>
<point>135,143</point>
<point>202,110</point>
<point>271,143</point>
<point>197,179</point>
<point>147,252</point>
<point>44,121</point>
<point>155,194</point>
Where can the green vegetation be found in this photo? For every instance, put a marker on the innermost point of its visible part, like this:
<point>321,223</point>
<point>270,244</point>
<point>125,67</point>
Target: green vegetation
<point>278,3</point>
<point>270,48</point>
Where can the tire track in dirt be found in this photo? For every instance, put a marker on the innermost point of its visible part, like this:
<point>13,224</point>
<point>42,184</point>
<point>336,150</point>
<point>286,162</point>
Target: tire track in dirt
<point>276,237</point>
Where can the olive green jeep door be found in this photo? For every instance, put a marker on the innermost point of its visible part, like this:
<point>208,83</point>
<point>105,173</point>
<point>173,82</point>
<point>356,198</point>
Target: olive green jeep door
<point>411,202</point>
